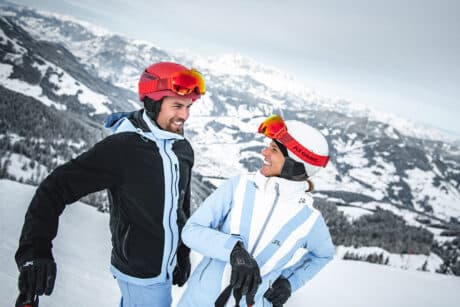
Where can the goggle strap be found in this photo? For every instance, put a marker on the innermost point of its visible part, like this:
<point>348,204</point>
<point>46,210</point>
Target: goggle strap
<point>164,84</point>
<point>157,85</point>
<point>303,153</point>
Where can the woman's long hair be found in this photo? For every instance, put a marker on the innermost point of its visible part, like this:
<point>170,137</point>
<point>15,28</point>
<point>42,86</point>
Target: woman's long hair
<point>311,186</point>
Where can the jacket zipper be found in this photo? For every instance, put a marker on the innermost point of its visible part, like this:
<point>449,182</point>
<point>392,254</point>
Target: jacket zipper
<point>275,201</point>
<point>172,259</point>
<point>175,188</point>
<point>170,210</point>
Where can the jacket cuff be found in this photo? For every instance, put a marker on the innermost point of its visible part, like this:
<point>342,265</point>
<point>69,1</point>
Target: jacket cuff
<point>35,249</point>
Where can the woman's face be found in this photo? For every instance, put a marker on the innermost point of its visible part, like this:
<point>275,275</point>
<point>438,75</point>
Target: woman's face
<point>273,160</point>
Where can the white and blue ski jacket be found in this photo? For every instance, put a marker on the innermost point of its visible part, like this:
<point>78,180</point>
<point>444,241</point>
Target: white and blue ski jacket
<point>278,225</point>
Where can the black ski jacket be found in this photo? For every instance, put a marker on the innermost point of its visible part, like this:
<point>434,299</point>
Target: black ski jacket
<point>146,213</point>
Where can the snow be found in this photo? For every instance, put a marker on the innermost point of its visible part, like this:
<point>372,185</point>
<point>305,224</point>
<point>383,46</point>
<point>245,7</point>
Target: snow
<point>351,152</point>
<point>136,105</point>
<point>19,167</point>
<point>34,91</point>
<point>402,261</point>
<point>237,65</point>
<point>447,204</point>
<point>15,45</point>
<point>353,213</point>
<point>82,252</point>
<point>410,128</point>
<point>67,85</point>
<point>13,137</point>
<point>202,107</point>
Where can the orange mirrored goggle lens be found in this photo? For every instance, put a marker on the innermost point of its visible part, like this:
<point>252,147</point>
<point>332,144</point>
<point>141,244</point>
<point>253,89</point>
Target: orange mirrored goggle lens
<point>185,82</point>
<point>272,127</point>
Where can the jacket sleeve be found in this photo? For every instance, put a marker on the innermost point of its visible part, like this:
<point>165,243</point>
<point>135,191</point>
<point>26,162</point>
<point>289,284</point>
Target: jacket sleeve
<point>320,252</point>
<point>201,232</point>
<point>94,170</point>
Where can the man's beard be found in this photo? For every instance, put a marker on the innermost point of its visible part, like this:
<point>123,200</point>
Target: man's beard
<point>172,127</point>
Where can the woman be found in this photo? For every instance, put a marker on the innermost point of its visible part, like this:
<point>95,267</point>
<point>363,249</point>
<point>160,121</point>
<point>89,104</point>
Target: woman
<point>259,234</point>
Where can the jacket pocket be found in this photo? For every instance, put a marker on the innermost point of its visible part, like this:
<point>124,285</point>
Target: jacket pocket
<point>120,233</point>
<point>144,251</point>
<point>124,243</point>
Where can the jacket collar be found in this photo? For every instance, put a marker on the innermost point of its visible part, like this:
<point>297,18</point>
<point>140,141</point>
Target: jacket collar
<point>157,132</point>
<point>286,187</point>
<point>139,122</point>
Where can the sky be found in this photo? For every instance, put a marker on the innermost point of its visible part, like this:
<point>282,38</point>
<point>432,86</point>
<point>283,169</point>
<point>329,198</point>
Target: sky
<point>82,253</point>
<point>397,56</point>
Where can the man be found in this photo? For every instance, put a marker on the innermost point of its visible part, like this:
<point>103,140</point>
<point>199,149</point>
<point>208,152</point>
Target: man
<point>146,168</point>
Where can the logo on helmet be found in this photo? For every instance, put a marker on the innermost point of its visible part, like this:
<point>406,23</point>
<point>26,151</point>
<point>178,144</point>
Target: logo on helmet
<point>305,155</point>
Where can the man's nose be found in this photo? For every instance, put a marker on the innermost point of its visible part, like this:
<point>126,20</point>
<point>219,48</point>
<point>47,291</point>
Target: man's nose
<point>184,113</point>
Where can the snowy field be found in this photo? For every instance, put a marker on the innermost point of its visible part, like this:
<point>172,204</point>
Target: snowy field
<point>82,252</point>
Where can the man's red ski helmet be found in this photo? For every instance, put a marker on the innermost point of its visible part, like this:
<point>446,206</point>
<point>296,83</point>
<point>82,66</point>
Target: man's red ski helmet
<point>166,79</point>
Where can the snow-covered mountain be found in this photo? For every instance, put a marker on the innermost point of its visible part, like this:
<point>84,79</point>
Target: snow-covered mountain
<point>82,253</point>
<point>74,74</point>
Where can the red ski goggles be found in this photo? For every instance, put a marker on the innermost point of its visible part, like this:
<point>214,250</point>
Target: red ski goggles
<point>274,127</point>
<point>182,83</point>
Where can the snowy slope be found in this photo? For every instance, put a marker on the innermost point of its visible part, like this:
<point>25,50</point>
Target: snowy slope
<point>82,251</point>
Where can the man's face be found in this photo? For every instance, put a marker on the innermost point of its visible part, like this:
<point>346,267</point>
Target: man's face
<point>173,113</point>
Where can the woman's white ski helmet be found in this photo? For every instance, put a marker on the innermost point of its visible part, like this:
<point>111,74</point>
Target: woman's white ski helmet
<point>312,139</point>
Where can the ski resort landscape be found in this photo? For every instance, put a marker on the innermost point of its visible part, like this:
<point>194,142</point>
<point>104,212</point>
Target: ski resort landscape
<point>390,194</point>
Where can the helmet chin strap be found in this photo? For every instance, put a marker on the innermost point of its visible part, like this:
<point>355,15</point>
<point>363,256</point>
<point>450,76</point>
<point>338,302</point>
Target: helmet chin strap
<point>152,108</point>
<point>293,170</point>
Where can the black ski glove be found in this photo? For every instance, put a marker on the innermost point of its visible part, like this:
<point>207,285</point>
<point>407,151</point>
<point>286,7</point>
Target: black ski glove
<point>245,277</point>
<point>36,277</point>
<point>279,293</point>
<point>182,270</point>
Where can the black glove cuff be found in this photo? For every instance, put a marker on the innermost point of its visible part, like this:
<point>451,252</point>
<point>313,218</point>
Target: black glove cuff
<point>183,250</point>
<point>284,282</point>
<point>236,249</point>
<point>28,251</point>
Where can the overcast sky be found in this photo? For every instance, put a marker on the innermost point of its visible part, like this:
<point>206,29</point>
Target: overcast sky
<point>401,57</point>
